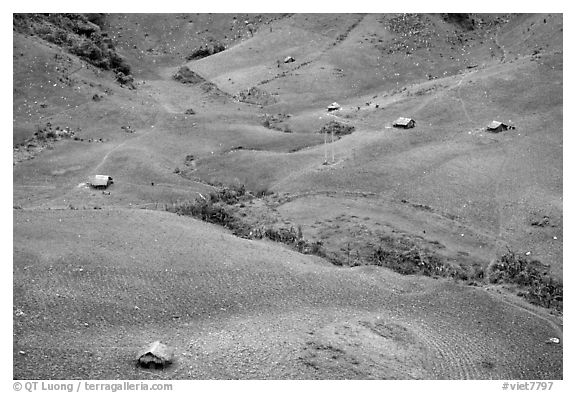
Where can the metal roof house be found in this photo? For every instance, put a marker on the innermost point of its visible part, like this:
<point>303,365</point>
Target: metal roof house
<point>404,122</point>
<point>333,107</point>
<point>497,126</point>
<point>101,181</point>
<point>289,59</point>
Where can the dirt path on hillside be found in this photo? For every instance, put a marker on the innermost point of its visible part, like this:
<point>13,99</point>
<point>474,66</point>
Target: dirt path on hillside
<point>152,128</point>
<point>458,87</point>
<point>500,243</point>
<point>542,314</point>
<point>103,160</point>
<point>500,47</point>
<point>312,59</point>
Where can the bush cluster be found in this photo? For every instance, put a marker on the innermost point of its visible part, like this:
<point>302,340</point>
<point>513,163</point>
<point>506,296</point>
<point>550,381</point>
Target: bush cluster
<point>405,257</point>
<point>531,276</point>
<point>216,209</point>
<point>255,95</point>
<point>462,20</point>
<point>205,210</point>
<point>205,51</point>
<point>399,254</point>
<point>339,129</point>
<point>187,76</point>
<point>273,122</point>
<point>78,34</point>
<point>47,133</point>
<point>230,195</point>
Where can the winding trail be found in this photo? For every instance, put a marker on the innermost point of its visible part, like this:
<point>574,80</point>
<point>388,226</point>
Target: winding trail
<point>103,160</point>
<point>558,328</point>
<point>459,86</point>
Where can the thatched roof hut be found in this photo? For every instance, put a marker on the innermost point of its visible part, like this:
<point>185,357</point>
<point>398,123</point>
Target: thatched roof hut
<point>156,355</point>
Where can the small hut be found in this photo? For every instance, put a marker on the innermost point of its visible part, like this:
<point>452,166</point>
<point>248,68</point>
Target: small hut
<point>100,181</point>
<point>156,355</point>
<point>497,126</point>
<point>404,122</point>
<point>289,59</point>
<point>333,107</point>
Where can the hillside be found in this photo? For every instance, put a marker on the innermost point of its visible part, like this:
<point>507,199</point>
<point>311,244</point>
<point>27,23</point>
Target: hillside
<point>446,192</point>
<point>238,309</point>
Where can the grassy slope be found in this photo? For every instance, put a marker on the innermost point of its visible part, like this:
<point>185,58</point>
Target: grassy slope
<point>447,162</point>
<point>37,81</point>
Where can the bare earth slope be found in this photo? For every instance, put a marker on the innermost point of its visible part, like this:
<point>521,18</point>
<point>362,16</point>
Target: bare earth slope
<point>100,284</point>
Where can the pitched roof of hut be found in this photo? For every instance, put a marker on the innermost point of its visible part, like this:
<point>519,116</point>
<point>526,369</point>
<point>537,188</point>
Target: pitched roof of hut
<point>100,180</point>
<point>156,352</point>
<point>495,124</point>
<point>403,121</point>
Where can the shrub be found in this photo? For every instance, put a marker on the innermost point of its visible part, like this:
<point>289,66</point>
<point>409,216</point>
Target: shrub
<point>79,34</point>
<point>205,51</point>
<point>339,129</point>
<point>546,292</point>
<point>215,209</point>
<point>124,79</point>
<point>514,268</point>
<point>262,192</point>
<point>531,276</point>
<point>59,37</point>
<point>199,53</point>
<point>229,195</point>
<point>205,211</point>
<point>285,235</point>
<point>462,20</point>
<point>97,19</point>
<point>90,51</point>
<point>187,76</point>
<point>272,122</point>
<point>406,257</point>
<point>118,63</point>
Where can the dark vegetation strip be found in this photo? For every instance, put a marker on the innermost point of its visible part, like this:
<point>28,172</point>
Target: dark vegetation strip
<point>344,35</point>
<point>216,209</point>
<point>530,277</point>
<point>205,51</point>
<point>337,128</point>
